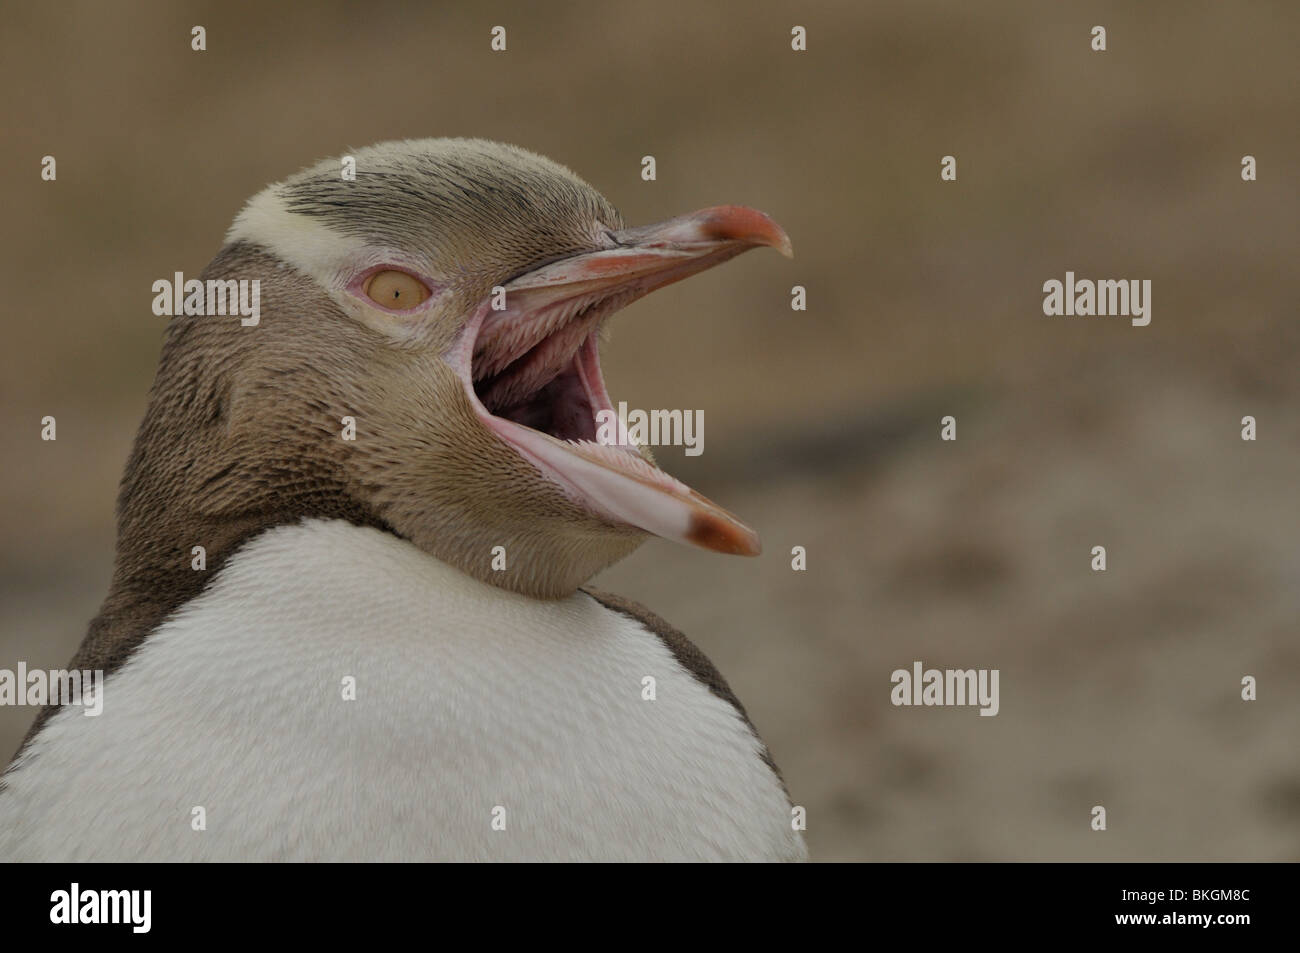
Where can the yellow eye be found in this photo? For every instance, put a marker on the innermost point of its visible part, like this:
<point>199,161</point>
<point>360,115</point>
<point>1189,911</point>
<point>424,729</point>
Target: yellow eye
<point>395,290</point>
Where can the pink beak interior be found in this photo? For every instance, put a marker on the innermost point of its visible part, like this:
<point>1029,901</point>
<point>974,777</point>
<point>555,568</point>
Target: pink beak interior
<point>616,482</point>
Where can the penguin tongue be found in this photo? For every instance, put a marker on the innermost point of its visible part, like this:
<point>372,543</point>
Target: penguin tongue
<point>537,361</point>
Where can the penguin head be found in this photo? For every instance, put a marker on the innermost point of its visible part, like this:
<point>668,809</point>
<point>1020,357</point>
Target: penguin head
<point>426,359</point>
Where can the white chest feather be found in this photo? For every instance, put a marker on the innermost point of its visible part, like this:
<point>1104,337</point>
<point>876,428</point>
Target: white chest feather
<point>482,726</point>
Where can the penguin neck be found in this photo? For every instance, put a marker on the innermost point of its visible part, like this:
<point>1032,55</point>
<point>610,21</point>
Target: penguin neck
<point>164,563</point>
<point>189,499</point>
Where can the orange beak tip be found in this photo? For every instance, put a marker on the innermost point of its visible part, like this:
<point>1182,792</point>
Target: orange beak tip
<point>741,223</point>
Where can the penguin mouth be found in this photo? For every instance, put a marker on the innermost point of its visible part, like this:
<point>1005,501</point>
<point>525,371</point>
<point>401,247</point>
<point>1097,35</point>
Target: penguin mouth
<point>543,371</point>
<point>531,372</point>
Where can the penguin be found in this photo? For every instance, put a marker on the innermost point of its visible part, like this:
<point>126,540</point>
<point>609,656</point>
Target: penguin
<point>400,485</point>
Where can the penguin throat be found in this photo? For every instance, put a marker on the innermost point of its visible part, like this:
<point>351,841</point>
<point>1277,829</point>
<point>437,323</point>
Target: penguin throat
<point>532,375</point>
<point>542,371</point>
<point>561,408</point>
<point>534,378</point>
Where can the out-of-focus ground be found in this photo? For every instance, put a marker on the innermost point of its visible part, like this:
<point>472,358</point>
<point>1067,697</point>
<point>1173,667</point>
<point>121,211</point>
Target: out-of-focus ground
<point>1118,688</point>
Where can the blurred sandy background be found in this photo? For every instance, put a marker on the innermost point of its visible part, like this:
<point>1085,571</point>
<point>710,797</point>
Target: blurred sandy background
<point>822,429</point>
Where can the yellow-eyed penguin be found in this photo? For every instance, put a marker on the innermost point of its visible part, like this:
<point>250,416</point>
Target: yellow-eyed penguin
<point>353,675</point>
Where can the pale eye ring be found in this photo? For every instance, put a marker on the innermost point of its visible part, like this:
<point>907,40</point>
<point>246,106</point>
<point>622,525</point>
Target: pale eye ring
<point>395,290</point>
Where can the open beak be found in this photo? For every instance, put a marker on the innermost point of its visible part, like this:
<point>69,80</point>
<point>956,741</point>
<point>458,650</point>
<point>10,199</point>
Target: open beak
<point>532,371</point>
